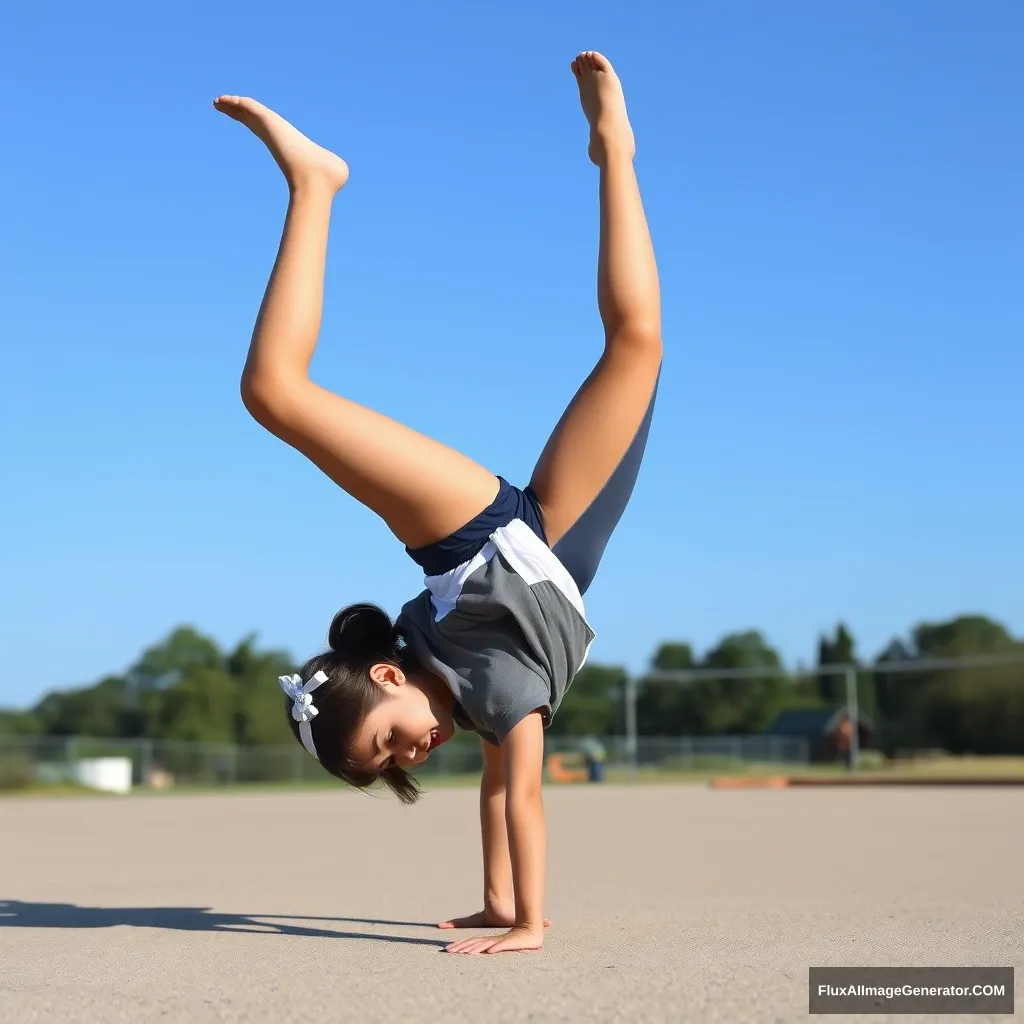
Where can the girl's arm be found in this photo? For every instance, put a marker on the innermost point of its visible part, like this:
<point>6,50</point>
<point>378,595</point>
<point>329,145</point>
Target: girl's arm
<point>499,894</point>
<point>522,756</point>
<point>499,897</point>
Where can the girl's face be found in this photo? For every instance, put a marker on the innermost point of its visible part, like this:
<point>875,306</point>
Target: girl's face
<point>414,717</point>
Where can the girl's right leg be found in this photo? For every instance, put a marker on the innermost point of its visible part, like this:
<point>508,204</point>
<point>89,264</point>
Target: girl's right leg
<point>587,470</point>
<point>422,489</point>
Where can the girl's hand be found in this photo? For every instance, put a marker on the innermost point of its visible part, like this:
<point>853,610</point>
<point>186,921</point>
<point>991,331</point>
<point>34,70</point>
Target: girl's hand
<point>519,938</point>
<point>489,917</point>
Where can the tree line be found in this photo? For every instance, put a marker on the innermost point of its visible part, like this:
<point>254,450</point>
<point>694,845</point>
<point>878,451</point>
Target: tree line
<point>187,688</point>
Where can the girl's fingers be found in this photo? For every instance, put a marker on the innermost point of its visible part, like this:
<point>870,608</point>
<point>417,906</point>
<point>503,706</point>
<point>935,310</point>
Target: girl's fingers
<point>458,947</point>
<point>471,946</point>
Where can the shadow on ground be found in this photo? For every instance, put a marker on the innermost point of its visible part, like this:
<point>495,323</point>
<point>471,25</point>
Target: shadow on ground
<point>20,914</point>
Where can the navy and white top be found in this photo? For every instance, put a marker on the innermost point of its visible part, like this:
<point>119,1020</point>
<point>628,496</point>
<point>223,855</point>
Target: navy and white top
<point>501,620</point>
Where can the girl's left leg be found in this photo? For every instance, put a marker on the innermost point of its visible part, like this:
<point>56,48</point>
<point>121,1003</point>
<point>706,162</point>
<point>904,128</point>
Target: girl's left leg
<point>421,488</point>
<point>587,469</point>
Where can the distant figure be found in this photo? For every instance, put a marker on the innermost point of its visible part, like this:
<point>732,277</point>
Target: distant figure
<point>594,755</point>
<point>844,740</point>
<point>500,631</point>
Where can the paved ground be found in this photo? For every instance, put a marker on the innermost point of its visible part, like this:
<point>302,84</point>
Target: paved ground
<point>670,904</point>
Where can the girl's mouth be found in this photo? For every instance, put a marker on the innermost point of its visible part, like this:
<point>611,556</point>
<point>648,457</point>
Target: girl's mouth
<point>435,739</point>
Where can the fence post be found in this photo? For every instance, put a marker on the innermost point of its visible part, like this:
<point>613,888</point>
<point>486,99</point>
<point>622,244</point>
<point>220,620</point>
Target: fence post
<point>145,761</point>
<point>850,673</point>
<point>631,751</point>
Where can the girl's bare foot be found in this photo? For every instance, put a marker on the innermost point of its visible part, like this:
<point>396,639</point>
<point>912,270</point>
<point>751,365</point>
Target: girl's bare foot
<point>605,107</point>
<point>304,163</point>
<point>489,917</point>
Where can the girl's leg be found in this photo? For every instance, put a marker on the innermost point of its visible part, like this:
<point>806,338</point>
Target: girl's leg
<point>587,469</point>
<point>580,550</point>
<point>422,489</point>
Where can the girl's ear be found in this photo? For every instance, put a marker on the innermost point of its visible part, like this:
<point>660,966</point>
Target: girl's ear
<point>387,675</point>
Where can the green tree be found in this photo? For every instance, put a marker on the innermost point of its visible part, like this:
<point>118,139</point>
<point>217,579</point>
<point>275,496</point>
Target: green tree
<point>749,704</point>
<point>19,723</point>
<point>890,695</point>
<point>200,708</point>
<point>169,661</point>
<point>594,703</point>
<point>660,702</point>
<point>181,688</point>
<point>713,705</point>
<point>839,649</point>
<point>260,716</point>
<point>962,637</point>
<point>674,656</point>
<point>105,709</point>
<point>962,710</point>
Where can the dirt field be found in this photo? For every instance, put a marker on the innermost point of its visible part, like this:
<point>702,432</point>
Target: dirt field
<point>670,903</point>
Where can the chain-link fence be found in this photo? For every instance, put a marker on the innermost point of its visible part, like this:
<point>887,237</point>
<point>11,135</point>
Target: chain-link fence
<point>898,709</point>
<point>27,761</point>
<point>30,760</point>
<point>676,722</point>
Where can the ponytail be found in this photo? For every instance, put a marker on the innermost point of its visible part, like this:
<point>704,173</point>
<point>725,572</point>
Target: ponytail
<point>363,633</point>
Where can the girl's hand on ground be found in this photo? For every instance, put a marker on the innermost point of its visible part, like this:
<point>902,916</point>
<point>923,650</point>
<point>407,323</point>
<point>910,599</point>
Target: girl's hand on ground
<point>514,939</point>
<point>489,917</point>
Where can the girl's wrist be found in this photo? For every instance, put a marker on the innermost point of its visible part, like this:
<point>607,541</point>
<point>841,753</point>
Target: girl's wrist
<point>530,926</point>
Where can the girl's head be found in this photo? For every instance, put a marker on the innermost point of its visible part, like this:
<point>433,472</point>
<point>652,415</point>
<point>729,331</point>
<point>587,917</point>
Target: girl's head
<point>378,713</point>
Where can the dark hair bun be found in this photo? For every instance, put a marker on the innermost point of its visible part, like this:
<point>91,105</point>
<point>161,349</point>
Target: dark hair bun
<point>362,632</point>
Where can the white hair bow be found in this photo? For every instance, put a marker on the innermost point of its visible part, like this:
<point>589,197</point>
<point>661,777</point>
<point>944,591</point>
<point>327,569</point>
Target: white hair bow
<point>303,710</point>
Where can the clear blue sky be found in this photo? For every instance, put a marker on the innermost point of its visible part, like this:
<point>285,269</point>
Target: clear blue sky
<point>835,196</point>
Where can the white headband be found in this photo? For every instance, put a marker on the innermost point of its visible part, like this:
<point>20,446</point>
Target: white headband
<point>302,705</point>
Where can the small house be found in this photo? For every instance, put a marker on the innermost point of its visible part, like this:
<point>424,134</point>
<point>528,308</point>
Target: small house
<point>827,730</point>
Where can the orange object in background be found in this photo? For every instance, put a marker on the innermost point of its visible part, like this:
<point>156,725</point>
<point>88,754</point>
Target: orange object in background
<point>557,771</point>
<point>751,782</point>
